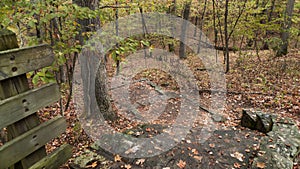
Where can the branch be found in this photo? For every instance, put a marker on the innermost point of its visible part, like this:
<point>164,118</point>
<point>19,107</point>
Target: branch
<point>113,6</point>
<point>238,18</point>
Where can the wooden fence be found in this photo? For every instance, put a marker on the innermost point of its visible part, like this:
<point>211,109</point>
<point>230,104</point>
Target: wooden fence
<point>18,105</point>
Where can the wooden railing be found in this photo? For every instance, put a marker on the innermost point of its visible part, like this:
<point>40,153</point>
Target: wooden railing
<point>26,136</point>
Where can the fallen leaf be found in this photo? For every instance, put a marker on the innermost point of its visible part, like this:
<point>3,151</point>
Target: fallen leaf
<point>238,156</point>
<point>211,145</point>
<point>93,165</point>
<point>199,158</point>
<point>261,153</point>
<point>195,151</point>
<point>127,166</point>
<point>272,146</point>
<point>181,164</point>
<point>130,132</point>
<point>237,165</point>
<point>260,165</point>
<point>140,161</point>
<point>117,158</point>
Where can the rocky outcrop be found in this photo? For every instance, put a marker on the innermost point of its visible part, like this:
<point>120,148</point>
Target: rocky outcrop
<point>280,147</point>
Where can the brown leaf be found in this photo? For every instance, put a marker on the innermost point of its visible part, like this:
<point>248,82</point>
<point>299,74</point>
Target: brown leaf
<point>199,158</point>
<point>238,156</point>
<point>181,164</point>
<point>272,146</point>
<point>127,166</point>
<point>260,165</point>
<point>93,165</point>
<point>140,161</point>
<point>117,158</point>
<point>237,165</point>
<point>211,145</point>
<point>195,151</point>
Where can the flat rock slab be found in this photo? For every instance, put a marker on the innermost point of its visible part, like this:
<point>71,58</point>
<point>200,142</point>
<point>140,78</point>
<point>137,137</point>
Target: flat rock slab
<point>224,149</point>
<point>232,148</point>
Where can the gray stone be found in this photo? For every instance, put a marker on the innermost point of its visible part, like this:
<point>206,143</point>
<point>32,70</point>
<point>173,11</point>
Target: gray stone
<point>257,121</point>
<point>249,120</point>
<point>264,123</point>
<point>273,160</point>
<point>86,158</point>
<point>281,147</point>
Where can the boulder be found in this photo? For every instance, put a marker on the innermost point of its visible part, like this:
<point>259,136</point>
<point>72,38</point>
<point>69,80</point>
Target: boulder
<point>257,121</point>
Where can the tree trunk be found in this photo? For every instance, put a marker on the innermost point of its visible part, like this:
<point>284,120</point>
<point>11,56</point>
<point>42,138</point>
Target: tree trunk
<point>172,12</point>
<point>270,14</point>
<point>226,35</point>
<point>87,25</point>
<point>283,50</point>
<point>100,89</point>
<point>201,26</point>
<point>186,14</point>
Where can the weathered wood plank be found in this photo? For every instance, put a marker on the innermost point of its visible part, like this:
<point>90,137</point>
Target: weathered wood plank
<point>20,106</point>
<point>55,159</point>
<point>15,62</point>
<point>8,40</point>
<point>27,143</point>
<point>11,87</point>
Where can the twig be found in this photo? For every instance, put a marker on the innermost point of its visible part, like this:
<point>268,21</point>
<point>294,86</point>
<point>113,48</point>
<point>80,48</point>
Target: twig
<point>113,6</point>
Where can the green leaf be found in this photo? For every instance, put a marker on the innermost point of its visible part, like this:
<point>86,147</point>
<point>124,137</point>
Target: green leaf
<point>35,79</point>
<point>146,43</point>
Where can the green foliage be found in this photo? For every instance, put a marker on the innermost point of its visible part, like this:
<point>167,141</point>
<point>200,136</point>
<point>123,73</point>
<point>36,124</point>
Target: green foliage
<point>274,43</point>
<point>57,24</point>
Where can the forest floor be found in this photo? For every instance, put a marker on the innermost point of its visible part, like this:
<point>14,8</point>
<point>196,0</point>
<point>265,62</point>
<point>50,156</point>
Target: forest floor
<point>264,83</point>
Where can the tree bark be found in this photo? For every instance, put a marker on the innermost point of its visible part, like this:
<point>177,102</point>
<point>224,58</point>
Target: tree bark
<point>201,25</point>
<point>186,14</point>
<point>270,14</point>
<point>283,50</point>
<point>100,90</point>
<point>226,36</point>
